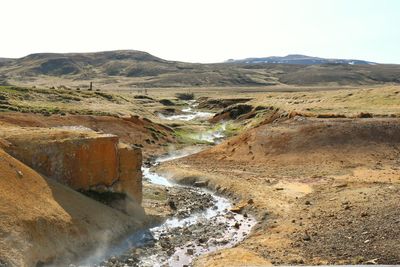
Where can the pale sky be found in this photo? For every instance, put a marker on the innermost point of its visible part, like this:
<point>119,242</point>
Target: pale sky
<point>204,30</point>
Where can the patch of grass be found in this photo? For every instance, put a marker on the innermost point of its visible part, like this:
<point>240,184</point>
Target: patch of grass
<point>51,101</point>
<point>105,95</point>
<point>232,129</point>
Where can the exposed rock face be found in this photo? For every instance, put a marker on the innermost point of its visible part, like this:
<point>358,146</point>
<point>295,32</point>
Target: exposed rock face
<point>232,112</point>
<point>130,174</point>
<point>45,222</point>
<point>81,159</point>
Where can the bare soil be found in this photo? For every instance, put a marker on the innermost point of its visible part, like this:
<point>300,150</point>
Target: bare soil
<point>326,191</point>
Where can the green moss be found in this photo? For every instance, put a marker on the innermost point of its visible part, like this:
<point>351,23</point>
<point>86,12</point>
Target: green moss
<point>188,137</point>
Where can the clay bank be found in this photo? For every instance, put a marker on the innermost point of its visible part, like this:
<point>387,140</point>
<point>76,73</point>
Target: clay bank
<point>64,192</point>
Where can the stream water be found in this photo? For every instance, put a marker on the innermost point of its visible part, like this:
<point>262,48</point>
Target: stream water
<point>180,239</point>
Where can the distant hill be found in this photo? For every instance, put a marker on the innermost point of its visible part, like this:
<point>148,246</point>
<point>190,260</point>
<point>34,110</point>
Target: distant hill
<point>300,59</point>
<point>136,69</point>
<point>2,59</point>
<point>111,63</point>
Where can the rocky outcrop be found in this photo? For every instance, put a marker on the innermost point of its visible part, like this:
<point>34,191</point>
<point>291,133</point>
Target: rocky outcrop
<point>80,158</point>
<point>130,174</point>
<point>45,222</point>
<point>232,112</point>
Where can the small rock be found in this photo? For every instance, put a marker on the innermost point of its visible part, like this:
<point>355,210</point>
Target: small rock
<point>307,202</point>
<point>236,209</point>
<point>202,240</point>
<point>20,174</point>
<point>172,204</point>
<point>306,237</point>
<point>341,185</point>
<point>190,251</point>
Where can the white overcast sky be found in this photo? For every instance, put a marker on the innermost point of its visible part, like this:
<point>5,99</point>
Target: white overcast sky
<point>204,30</point>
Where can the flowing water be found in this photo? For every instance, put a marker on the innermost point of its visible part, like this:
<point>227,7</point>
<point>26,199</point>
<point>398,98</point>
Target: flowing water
<point>180,239</point>
<point>188,115</point>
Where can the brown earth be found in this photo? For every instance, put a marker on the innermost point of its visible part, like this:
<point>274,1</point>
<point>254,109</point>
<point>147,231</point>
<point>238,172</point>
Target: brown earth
<point>326,191</point>
<point>132,130</point>
<point>43,221</point>
<point>82,159</point>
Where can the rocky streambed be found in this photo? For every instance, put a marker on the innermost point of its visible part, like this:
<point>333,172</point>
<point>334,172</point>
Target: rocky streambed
<point>200,222</point>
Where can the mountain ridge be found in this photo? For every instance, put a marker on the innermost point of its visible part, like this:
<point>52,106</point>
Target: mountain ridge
<point>133,69</point>
<point>300,59</point>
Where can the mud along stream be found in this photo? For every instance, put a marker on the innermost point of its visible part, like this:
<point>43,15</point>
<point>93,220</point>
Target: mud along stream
<point>201,223</point>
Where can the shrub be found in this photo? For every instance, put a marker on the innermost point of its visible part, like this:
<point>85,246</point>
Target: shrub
<point>185,96</point>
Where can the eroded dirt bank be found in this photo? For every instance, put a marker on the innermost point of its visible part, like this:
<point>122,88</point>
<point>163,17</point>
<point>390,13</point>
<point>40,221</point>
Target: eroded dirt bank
<point>133,130</point>
<point>43,221</point>
<point>325,190</point>
<point>81,192</point>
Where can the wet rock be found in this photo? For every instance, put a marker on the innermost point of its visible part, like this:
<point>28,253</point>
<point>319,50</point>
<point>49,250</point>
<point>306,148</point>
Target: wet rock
<point>203,240</point>
<point>172,204</point>
<point>190,251</point>
<point>200,183</point>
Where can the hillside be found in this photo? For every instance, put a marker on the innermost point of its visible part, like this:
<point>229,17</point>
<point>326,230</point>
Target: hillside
<point>326,190</point>
<point>129,69</point>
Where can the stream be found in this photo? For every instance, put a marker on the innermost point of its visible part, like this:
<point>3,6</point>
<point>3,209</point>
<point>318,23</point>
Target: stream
<point>202,223</point>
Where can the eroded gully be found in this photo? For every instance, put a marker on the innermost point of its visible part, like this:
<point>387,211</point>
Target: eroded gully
<point>202,222</point>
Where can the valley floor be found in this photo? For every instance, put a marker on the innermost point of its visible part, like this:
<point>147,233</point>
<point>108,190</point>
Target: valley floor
<point>320,169</point>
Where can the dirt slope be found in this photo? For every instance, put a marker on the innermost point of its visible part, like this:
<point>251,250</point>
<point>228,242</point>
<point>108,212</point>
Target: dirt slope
<point>326,191</point>
<point>338,142</point>
<point>41,219</point>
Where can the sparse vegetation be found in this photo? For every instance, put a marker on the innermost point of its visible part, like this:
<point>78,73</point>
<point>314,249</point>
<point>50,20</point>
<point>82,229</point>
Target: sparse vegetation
<point>138,69</point>
<point>185,96</point>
